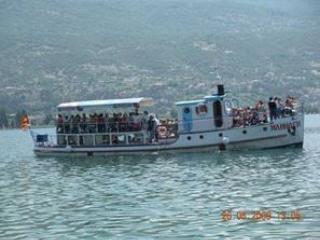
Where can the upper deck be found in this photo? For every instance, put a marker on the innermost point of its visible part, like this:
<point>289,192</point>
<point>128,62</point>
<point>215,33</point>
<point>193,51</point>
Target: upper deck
<point>111,122</point>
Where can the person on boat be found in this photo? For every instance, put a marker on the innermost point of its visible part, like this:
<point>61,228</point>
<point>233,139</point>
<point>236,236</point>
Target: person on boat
<point>156,119</point>
<point>106,122</point>
<point>66,124</point>
<point>77,122</point>
<point>289,102</point>
<point>123,122</point>
<point>254,119</point>
<point>115,139</point>
<point>92,123</point>
<point>261,110</point>
<point>72,124</point>
<point>289,106</point>
<point>157,123</point>
<point>100,122</point>
<point>280,107</point>
<point>151,127</point>
<point>131,122</point>
<point>112,122</point>
<point>272,108</point>
<point>144,120</point>
<point>236,117</point>
<point>136,121</point>
<point>60,124</point>
<point>83,125</point>
<point>118,121</point>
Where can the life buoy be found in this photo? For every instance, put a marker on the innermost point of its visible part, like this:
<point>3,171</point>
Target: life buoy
<point>235,103</point>
<point>162,132</point>
<point>227,104</point>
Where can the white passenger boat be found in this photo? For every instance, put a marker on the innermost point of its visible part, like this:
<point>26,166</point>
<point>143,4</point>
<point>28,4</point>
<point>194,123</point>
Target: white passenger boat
<point>97,128</point>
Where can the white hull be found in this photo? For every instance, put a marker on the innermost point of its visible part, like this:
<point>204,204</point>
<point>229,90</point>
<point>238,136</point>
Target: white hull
<point>283,132</point>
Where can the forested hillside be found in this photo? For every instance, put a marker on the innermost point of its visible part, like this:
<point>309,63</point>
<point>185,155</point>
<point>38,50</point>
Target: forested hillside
<point>53,51</point>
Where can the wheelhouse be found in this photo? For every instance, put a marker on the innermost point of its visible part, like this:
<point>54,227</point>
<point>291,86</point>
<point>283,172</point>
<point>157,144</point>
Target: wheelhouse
<point>208,114</point>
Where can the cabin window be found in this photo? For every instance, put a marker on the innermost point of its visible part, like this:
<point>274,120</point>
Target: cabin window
<point>217,113</point>
<point>102,140</point>
<point>86,140</point>
<point>118,139</point>
<point>61,140</point>
<point>72,140</point>
<point>136,138</point>
<point>186,110</point>
<point>201,109</point>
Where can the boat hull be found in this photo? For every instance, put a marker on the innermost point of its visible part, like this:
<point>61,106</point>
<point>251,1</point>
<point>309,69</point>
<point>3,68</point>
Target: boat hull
<point>284,132</point>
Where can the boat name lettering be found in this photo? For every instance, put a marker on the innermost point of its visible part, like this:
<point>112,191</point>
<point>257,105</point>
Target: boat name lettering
<point>282,126</point>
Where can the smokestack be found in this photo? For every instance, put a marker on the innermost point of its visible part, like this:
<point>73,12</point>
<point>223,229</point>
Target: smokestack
<point>220,89</point>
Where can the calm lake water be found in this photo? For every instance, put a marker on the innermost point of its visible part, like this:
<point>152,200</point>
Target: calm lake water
<point>178,196</point>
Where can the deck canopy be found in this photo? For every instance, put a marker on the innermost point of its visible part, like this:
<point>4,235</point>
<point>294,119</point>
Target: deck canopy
<point>190,102</point>
<point>105,104</point>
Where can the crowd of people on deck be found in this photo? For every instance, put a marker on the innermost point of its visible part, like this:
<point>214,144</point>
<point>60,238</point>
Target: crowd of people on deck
<point>113,122</point>
<point>149,122</point>
<point>261,113</point>
<point>107,122</point>
<point>278,109</point>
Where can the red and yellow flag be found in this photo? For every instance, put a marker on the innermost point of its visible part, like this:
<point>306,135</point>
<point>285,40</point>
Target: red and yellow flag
<point>24,122</point>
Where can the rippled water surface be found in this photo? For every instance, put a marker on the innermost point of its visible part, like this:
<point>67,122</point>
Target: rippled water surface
<point>177,196</point>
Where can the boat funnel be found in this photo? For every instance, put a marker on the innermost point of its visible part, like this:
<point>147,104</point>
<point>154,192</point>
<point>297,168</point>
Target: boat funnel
<point>220,89</point>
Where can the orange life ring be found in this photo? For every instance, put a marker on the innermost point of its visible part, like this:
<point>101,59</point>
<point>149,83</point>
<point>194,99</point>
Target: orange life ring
<point>162,132</point>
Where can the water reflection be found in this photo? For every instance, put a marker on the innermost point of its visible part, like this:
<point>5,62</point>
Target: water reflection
<point>165,195</point>
<point>246,159</point>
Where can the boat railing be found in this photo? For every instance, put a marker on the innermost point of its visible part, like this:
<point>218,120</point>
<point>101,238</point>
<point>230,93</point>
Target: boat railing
<point>96,127</point>
<point>161,134</point>
<point>105,126</point>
